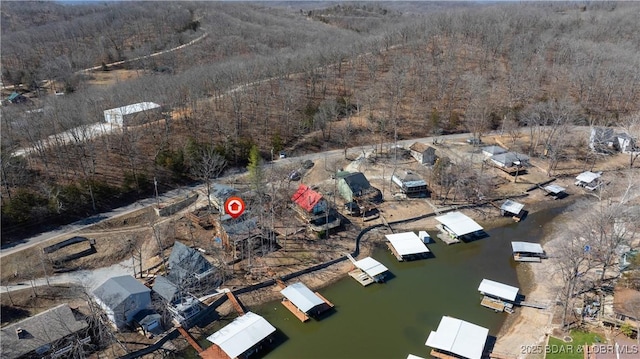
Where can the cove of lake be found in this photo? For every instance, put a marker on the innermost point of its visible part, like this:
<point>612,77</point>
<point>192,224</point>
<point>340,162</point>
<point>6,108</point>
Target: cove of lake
<point>393,319</point>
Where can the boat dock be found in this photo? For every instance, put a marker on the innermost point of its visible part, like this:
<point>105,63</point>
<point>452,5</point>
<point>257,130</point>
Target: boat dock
<point>325,300</point>
<point>212,352</point>
<point>293,309</point>
<point>437,354</point>
<point>520,258</point>
<point>235,303</point>
<point>394,252</point>
<point>497,305</point>
<point>361,277</point>
<point>536,305</point>
<point>445,236</point>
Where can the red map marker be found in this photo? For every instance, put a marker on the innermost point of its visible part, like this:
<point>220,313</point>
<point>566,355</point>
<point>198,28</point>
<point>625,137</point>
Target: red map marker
<point>234,206</point>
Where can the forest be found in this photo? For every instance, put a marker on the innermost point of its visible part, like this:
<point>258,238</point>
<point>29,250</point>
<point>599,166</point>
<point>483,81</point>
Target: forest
<point>303,77</point>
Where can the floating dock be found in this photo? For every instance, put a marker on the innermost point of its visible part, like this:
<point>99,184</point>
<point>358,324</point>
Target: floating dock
<point>394,252</point>
<point>447,239</point>
<point>235,303</point>
<point>497,305</point>
<point>437,354</point>
<point>361,277</point>
<point>325,300</point>
<point>533,305</point>
<point>293,309</point>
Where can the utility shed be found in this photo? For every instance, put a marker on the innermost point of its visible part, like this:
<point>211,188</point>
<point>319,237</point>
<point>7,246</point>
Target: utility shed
<point>371,267</point>
<point>302,297</point>
<point>406,245</point>
<point>135,114</point>
<point>498,290</point>
<point>457,224</point>
<point>242,335</point>
<point>527,251</point>
<point>41,333</point>
<point>589,180</point>
<point>458,337</point>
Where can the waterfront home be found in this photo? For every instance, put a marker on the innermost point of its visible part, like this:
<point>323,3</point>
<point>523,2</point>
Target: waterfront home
<point>423,153</point>
<point>589,180</point>
<point>406,246</point>
<point>489,151</point>
<point>513,209</point>
<point>410,184</point>
<point>304,301</point>
<point>458,338</point>
<point>314,209</point>
<point>219,195</point>
<point>527,252</point>
<point>356,187</point>
<point>458,225</point>
<point>243,336</point>
<point>122,298</point>
<point>53,332</point>
<point>498,296</point>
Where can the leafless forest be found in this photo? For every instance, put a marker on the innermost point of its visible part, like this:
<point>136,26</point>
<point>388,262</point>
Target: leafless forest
<point>303,77</point>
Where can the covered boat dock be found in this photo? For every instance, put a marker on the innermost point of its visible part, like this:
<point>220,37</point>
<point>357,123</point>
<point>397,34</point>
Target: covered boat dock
<point>555,191</point>
<point>455,337</point>
<point>456,225</point>
<point>527,252</point>
<point>513,209</point>
<point>302,302</point>
<point>406,246</point>
<point>241,337</point>
<point>368,270</point>
<point>498,296</point>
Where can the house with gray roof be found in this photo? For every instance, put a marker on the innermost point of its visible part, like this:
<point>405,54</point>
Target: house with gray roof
<point>354,186</point>
<point>219,195</point>
<point>410,183</point>
<point>53,331</point>
<point>510,159</point>
<point>122,298</point>
<point>423,153</point>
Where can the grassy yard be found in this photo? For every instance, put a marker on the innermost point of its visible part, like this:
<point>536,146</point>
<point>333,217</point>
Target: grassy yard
<point>558,349</point>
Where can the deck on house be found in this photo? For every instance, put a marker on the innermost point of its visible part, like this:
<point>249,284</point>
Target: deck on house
<point>437,354</point>
<point>497,305</point>
<point>361,277</point>
<point>293,309</point>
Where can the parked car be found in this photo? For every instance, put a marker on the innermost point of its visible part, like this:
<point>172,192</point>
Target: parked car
<point>283,154</point>
<point>294,176</point>
<point>474,141</point>
<point>307,164</point>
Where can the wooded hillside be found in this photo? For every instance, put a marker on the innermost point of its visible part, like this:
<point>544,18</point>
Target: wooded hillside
<point>290,78</point>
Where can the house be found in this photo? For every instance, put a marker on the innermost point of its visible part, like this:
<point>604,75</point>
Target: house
<point>605,140</point>
<point>314,209</point>
<point>626,305</point>
<point>589,180</point>
<point>122,298</point>
<point>490,151</point>
<point>53,331</point>
<point>355,187</point>
<point>410,183</point>
<point>135,114</point>
<point>527,252</point>
<point>626,143</point>
<point>458,225</point>
<point>510,159</point>
<point>406,246</point>
<point>424,154</point>
<point>306,301</point>
<point>239,235</point>
<point>243,336</point>
<point>458,338</point>
<point>219,195</point>
<point>498,296</point>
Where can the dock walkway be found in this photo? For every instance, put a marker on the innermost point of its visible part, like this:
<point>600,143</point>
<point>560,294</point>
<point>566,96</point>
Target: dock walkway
<point>362,277</point>
<point>394,252</point>
<point>235,303</point>
<point>536,305</point>
<point>497,305</point>
<point>325,300</point>
<point>294,310</point>
<point>445,236</point>
<point>437,354</point>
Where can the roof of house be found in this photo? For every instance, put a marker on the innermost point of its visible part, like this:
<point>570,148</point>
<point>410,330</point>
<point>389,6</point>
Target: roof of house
<point>421,147</point>
<point>165,288</point>
<point>133,108</point>
<point>493,150</point>
<point>241,226</point>
<point>512,206</point>
<point>371,266</point>
<point>526,247</point>
<point>588,176</point>
<point>459,223</point>
<point>184,262</point>
<point>242,334</point>
<point>459,337</point>
<point>408,178</point>
<point>39,330</point>
<point>306,198</point>
<point>510,157</point>
<point>602,134</point>
<point>407,243</point>
<point>626,301</point>
<point>221,191</point>
<point>498,289</point>
<point>116,290</point>
<point>301,296</point>
<point>357,182</point>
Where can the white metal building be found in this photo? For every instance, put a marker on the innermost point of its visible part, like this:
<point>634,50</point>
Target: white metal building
<point>459,337</point>
<point>372,267</point>
<point>241,335</point>
<point>119,116</point>
<point>302,297</point>
<point>498,290</point>
<point>458,224</point>
<point>407,243</point>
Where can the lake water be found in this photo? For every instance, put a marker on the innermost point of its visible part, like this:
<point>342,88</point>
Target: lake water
<point>393,319</point>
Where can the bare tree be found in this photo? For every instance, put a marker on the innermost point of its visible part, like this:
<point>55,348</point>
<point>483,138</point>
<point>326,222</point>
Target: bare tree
<point>208,165</point>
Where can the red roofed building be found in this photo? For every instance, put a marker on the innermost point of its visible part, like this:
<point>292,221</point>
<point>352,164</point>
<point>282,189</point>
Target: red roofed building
<point>309,200</point>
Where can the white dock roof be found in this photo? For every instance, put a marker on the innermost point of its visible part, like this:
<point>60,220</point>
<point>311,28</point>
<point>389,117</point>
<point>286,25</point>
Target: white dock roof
<point>588,176</point>
<point>242,334</point>
<point>301,296</point>
<point>459,337</point>
<point>554,188</point>
<point>371,266</point>
<point>512,206</point>
<point>411,356</point>
<point>407,243</point>
<point>499,290</point>
<point>459,223</point>
<point>527,247</point>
